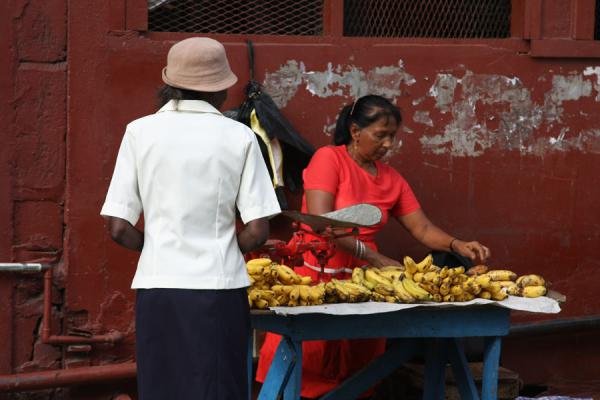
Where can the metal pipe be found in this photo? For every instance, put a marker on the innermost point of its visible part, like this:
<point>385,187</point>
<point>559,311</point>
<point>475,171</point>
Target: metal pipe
<point>66,377</point>
<point>535,328</point>
<point>47,338</point>
<point>24,267</point>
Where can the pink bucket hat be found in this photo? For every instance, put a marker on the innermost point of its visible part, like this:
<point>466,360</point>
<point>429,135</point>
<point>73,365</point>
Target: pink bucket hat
<point>198,64</point>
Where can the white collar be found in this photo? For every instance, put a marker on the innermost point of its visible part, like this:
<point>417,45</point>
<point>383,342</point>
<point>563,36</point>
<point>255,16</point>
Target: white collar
<point>189,106</point>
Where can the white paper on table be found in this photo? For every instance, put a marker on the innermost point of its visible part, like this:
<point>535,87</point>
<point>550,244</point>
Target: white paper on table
<point>542,304</point>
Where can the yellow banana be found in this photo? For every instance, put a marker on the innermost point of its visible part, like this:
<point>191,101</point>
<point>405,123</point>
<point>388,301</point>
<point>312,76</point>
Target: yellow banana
<point>444,289</point>
<point>254,294</point>
<point>501,275</point>
<point>391,299</point>
<point>358,276</point>
<point>372,276</point>
<point>483,281</point>
<point>448,298</point>
<point>273,302</point>
<point>430,287</point>
<point>433,277</point>
<point>304,292</point>
<point>418,277</point>
<point>295,294</point>
<point>410,266</point>
<point>456,290</point>
<point>392,275</point>
<point>415,290</point>
<point>514,290</point>
<point>424,265</point>
<point>534,291</point>
<point>401,292</point>
<point>484,294</point>
<point>377,297</point>
<point>261,304</point>
<point>386,289</point>
<point>305,280</point>
<point>499,295</point>
<point>263,262</point>
<point>255,269</point>
<point>531,280</point>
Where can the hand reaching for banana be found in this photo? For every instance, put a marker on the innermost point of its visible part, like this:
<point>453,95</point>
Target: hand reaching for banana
<point>474,250</point>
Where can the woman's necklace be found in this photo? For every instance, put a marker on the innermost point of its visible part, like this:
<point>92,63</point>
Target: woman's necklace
<point>368,166</point>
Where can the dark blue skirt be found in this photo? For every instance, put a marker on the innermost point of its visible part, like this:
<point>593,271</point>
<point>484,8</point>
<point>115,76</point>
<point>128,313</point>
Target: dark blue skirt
<point>192,344</point>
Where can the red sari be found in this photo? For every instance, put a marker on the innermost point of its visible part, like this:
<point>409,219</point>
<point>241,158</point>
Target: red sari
<point>328,363</point>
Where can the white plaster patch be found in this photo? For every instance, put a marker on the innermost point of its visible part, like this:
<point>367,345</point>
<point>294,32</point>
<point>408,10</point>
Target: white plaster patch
<point>594,71</point>
<point>422,117</point>
<point>341,80</point>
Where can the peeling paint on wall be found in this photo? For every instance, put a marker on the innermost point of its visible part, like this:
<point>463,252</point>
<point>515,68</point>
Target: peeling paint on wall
<point>487,110</point>
<point>594,71</point>
<point>469,134</point>
<point>342,80</point>
<point>422,117</point>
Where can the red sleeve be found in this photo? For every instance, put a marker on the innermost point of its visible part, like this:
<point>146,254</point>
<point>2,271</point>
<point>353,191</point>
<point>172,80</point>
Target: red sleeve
<point>407,201</point>
<point>322,173</point>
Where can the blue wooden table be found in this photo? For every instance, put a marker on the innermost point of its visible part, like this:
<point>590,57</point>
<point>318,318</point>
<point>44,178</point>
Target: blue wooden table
<point>434,332</point>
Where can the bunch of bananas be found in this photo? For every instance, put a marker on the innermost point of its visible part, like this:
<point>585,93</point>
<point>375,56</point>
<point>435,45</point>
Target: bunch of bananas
<point>273,285</point>
<point>456,284</point>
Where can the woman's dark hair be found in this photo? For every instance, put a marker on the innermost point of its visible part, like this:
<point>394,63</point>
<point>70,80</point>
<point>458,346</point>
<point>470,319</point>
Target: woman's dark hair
<point>167,93</point>
<point>363,112</point>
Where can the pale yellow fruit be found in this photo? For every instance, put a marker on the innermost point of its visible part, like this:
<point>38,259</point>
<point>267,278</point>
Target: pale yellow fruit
<point>531,280</point>
<point>501,275</point>
<point>534,291</point>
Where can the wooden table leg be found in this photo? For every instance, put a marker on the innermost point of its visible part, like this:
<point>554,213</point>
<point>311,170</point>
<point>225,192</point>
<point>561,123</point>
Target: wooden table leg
<point>294,383</point>
<point>284,361</point>
<point>491,363</point>
<point>461,371</point>
<point>435,369</point>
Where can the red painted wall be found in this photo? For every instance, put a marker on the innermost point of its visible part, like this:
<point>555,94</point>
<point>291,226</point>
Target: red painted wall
<point>70,96</point>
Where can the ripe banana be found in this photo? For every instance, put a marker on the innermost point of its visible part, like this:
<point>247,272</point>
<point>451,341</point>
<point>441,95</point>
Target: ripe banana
<point>484,294</point>
<point>418,277</point>
<point>424,265</point>
<point>386,289</point>
<point>392,275</point>
<point>259,261</point>
<point>432,277</point>
<point>305,280</point>
<point>255,269</point>
<point>304,292</point>
<point>501,275</point>
<point>372,276</point>
<point>531,280</point>
<point>410,266</point>
<point>534,291</point>
<point>483,281</point>
<point>261,304</point>
<point>377,297</point>
<point>358,276</point>
<point>456,290</point>
<point>415,290</point>
<point>401,292</point>
<point>499,295</point>
<point>477,270</point>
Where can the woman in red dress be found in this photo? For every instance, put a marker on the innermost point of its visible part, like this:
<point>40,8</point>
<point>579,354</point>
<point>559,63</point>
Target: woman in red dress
<point>340,176</point>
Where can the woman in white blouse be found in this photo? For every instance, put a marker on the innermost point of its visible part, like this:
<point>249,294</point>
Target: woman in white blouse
<point>187,168</point>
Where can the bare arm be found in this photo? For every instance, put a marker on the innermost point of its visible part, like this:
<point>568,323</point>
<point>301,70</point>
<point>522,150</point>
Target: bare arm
<point>319,202</point>
<point>422,229</point>
<point>125,234</point>
<point>253,235</point>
